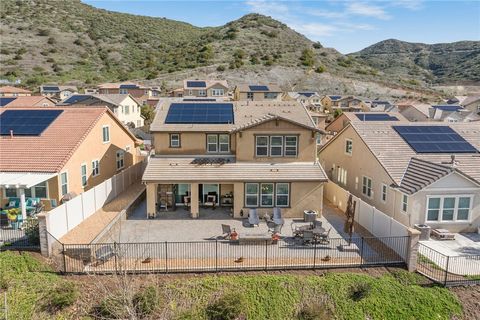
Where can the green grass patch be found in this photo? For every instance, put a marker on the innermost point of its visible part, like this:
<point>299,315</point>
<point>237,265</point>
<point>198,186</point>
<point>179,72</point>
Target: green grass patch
<point>424,260</point>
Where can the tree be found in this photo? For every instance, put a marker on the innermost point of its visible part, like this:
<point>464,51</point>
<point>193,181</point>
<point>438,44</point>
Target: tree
<point>148,113</point>
<point>308,57</point>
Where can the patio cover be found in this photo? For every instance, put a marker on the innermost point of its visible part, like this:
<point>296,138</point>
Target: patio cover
<point>182,170</point>
<point>23,180</point>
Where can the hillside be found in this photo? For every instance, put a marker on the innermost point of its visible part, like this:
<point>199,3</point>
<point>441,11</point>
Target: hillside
<point>447,63</point>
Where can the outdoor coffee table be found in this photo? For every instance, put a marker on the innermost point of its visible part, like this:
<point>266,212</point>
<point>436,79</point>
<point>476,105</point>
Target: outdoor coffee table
<point>254,238</point>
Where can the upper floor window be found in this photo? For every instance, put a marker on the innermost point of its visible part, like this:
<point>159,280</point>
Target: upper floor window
<point>106,134</point>
<point>95,168</point>
<point>218,92</point>
<point>218,143</point>
<point>120,159</point>
<point>367,187</point>
<point>449,208</point>
<point>404,203</point>
<point>384,192</point>
<point>276,146</point>
<point>250,95</point>
<point>174,140</point>
<point>123,91</point>
<point>64,183</point>
<point>83,174</point>
<point>202,93</point>
<point>127,109</point>
<point>348,146</point>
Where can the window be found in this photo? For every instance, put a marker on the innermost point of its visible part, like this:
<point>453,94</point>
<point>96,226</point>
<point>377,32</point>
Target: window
<point>218,92</point>
<point>123,91</point>
<point>139,123</point>
<point>95,168</point>
<point>276,146</point>
<point>223,143</point>
<point>282,195</point>
<point>356,183</point>
<point>128,148</point>
<point>218,143</point>
<point>174,140</point>
<point>106,134</point>
<point>202,93</point>
<point>250,95</point>
<point>83,172</point>
<point>291,146</point>
<point>10,192</point>
<point>40,190</point>
<point>404,203</point>
<point>127,109</point>
<point>449,208</point>
<point>212,142</point>
<point>367,187</point>
<point>270,95</point>
<point>120,159</point>
<point>348,146</point>
<point>261,146</point>
<point>384,192</point>
<point>266,195</point>
<point>251,195</point>
<point>318,138</point>
<point>342,176</point>
<point>64,183</point>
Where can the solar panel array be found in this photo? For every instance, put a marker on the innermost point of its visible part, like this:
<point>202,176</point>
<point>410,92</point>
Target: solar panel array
<point>258,88</point>
<point>76,98</point>
<point>335,97</point>
<point>51,88</point>
<point>26,122</point>
<point>307,94</point>
<point>376,117</point>
<point>196,84</point>
<point>434,139</point>
<point>448,107</point>
<point>6,100</point>
<point>128,86</point>
<point>200,113</point>
<point>199,99</point>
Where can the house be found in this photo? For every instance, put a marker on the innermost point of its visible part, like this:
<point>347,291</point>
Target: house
<point>239,155</point>
<point>329,101</point>
<point>346,103</point>
<point>414,111</point>
<point>471,103</point>
<point>257,92</point>
<point>139,92</point>
<point>447,113</point>
<point>70,151</point>
<point>345,118</point>
<point>9,91</point>
<point>307,98</point>
<point>57,92</point>
<point>124,106</point>
<point>205,88</point>
<point>381,106</point>
<point>417,173</point>
<point>31,101</point>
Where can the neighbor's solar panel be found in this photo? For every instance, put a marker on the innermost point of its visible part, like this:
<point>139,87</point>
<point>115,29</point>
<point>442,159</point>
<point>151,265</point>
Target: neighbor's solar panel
<point>335,97</point>
<point>4,101</point>
<point>258,88</point>
<point>206,113</point>
<point>51,88</point>
<point>199,99</point>
<point>434,139</point>
<point>375,117</point>
<point>448,107</point>
<point>76,98</point>
<point>196,84</point>
<point>26,122</point>
<point>128,86</point>
<point>307,94</point>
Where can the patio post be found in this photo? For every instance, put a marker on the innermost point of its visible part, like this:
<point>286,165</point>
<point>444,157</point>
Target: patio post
<point>23,204</point>
<point>194,210</point>
<point>412,249</point>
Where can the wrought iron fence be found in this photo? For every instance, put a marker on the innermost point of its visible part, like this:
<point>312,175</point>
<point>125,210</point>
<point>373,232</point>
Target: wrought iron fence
<point>26,238</point>
<point>219,255</point>
<point>448,270</point>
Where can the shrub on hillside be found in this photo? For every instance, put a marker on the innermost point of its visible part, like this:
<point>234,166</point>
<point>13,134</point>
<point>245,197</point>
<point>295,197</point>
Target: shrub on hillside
<point>227,307</point>
<point>359,291</point>
<point>146,301</point>
<point>221,68</point>
<point>63,295</point>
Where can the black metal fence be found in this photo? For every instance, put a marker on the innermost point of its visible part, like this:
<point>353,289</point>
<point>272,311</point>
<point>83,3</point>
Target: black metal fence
<point>448,270</point>
<point>27,238</point>
<point>216,255</point>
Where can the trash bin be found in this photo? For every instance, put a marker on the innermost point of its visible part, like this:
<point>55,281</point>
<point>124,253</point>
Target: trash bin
<point>309,215</point>
<point>424,231</point>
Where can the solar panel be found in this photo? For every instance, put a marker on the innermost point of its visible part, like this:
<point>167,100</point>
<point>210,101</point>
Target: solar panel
<point>199,99</point>
<point>4,101</point>
<point>26,122</point>
<point>51,88</point>
<point>434,139</point>
<point>376,117</point>
<point>200,113</point>
<point>307,94</point>
<point>258,88</point>
<point>196,84</point>
<point>128,86</point>
<point>76,98</point>
<point>447,107</point>
<point>335,97</point>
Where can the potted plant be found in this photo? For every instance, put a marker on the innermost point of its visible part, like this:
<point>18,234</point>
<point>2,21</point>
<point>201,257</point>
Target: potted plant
<point>13,217</point>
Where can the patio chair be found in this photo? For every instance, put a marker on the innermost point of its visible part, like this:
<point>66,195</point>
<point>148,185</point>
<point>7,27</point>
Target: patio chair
<point>267,217</point>
<point>211,201</point>
<point>277,213</point>
<point>324,237</point>
<point>317,223</point>
<point>226,231</point>
<point>103,254</point>
<point>253,218</point>
<point>308,237</point>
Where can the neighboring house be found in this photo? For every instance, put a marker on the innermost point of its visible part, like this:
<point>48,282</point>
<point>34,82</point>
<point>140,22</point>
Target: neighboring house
<point>414,111</point>
<point>70,151</point>
<point>347,103</point>
<point>139,92</point>
<point>381,106</point>
<point>57,92</point>
<point>205,88</point>
<point>31,101</point>
<point>257,92</point>
<point>243,155</point>
<point>9,91</point>
<point>307,98</point>
<point>329,101</point>
<point>447,113</point>
<point>417,173</point>
<point>124,106</point>
<point>472,104</point>
<point>345,118</point>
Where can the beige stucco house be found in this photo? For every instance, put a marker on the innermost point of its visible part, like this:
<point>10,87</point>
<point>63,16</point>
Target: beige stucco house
<point>257,92</point>
<point>57,92</point>
<point>439,188</point>
<point>30,101</point>
<point>472,103</point>
<point>78,149</point>
<point>139,92</point>
<point>10,91</point>
<point>255,155</point>
<point>203,89</point>
<point>345,118</point>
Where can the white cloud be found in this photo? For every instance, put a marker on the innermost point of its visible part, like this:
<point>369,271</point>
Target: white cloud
<point>368,10</point>
<point>315,30</point>
<point>269,8</point>
<point>326,14</point>
<point>408,4</point>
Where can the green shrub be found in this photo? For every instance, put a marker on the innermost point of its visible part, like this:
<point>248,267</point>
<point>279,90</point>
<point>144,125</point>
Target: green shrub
<point>146,301</point>
<point>308,57</point>
<point>314,312</point>
<point>359,291</point>
<point>112,307</point>
<point>51,40</point>
<point>320,69</point>
<point>221,68</point>
<point>227,307</point>
<point>32,231</point>
<point>407,278</point>
<point>61,296</point>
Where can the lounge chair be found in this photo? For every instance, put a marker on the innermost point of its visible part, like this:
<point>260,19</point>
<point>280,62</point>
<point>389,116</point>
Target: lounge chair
<point>253,218</point>
<point>104,253</point>
<point>226,231</point>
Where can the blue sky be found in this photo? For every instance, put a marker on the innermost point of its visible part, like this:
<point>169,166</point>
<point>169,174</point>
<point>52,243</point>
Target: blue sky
<point>347,26</point>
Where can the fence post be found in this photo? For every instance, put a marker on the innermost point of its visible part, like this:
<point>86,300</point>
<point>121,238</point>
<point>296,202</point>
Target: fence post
<point>361,252</point>
<point>64,259</point>
<point>266,254</point>
<point>314,253</point>
<point>412,249</point>
<point>446,272</point>
<point>166,256</point>
<point>216,255</point>
<point>115,255</point>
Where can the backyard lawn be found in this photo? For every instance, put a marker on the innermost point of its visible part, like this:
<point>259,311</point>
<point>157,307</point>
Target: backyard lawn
<point>34,292</point>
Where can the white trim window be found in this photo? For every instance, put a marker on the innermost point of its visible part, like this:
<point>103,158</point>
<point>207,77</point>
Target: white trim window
<point>261,146</point>
<point>212,143</point>
<point>174,140</point>
<point>10,192</point>
<point>404,203</point>
<point>224,143</point>
<point>282,194</point>
<point>106,134</point>
<point>251,194</point>
<point>95,168</point>
<point>348,147</point>
<point>83,174</point>
<point>291,146</point>
<point>276,146</point>
<point>384,192</point>
<point>202,93</point>
<point>266,195</point>
<point>449,208</point>
<point>218,92</point>
<point>250,95</point>
<point>123,91</point>
<point>120,159</point>
<point>342,176</point>
<point>367,186</point>
<point>64,183</point>
<point>127,109</point>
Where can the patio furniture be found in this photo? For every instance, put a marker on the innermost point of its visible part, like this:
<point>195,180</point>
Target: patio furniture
<point>226,231</point>
<point>316,224</point>
<point>255,238</point>
<point>297,230</point>
<point>163,205</point>
<point>323,237</point>
<point>443,234</point>
<point>267,217</point>
<point>277,213</point>
<point>12,202</point>
<point>3,219</point>
<point>211,201</point>
<point>310,215</point>
<point>104,253</point>
<point>308,237</point>
<point>253,218</point>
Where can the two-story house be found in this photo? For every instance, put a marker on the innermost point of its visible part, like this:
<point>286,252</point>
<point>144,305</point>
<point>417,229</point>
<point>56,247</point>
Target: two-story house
<point>471,103</point>
<point>345,118</point>
<point>307,98</point>
<point>418,173</point>
<point>49,153</point>
<point>10,91</point>
<point>30,101</point>
<point>57,92</point>
<point>139,92</point>
<point>205,88</point>
<point>238,154</point>
<point>257,92</point>
<point>124,106</point>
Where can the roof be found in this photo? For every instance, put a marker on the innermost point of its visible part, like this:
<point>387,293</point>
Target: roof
<point>470,100</point>
<point>11,89</point>
<point>29,101</point>
<point>53,88</point>
<point>124,85</point>
<point>113,99</point>
<point>6,100</point>
<point>422,108</point>
<point>303,94</point>
<point>353,117</point>
<point>23,179</point>
<point>50,151</point>
<point>208,84</point>
<point>246,114</point>
<point>270,87</point>
<point>334,98</point>
<point>421,173</point>
<point>182,169</point>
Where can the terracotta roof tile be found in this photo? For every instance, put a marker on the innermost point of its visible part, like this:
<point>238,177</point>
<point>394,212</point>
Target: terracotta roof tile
<point>10,89</point>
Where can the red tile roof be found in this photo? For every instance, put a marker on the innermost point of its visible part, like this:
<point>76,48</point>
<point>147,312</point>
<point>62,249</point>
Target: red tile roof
<point>10,89</point>
<point>30,101</point>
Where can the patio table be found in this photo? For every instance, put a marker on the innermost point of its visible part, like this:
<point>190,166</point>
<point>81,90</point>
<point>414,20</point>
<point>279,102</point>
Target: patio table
<point>318,231</point>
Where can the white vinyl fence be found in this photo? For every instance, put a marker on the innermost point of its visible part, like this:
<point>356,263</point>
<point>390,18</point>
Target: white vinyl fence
<point>67,216</point>
<point>373,220</point>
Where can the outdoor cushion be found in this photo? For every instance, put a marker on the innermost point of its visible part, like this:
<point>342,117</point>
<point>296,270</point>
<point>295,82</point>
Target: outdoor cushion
<point>11,203</point>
